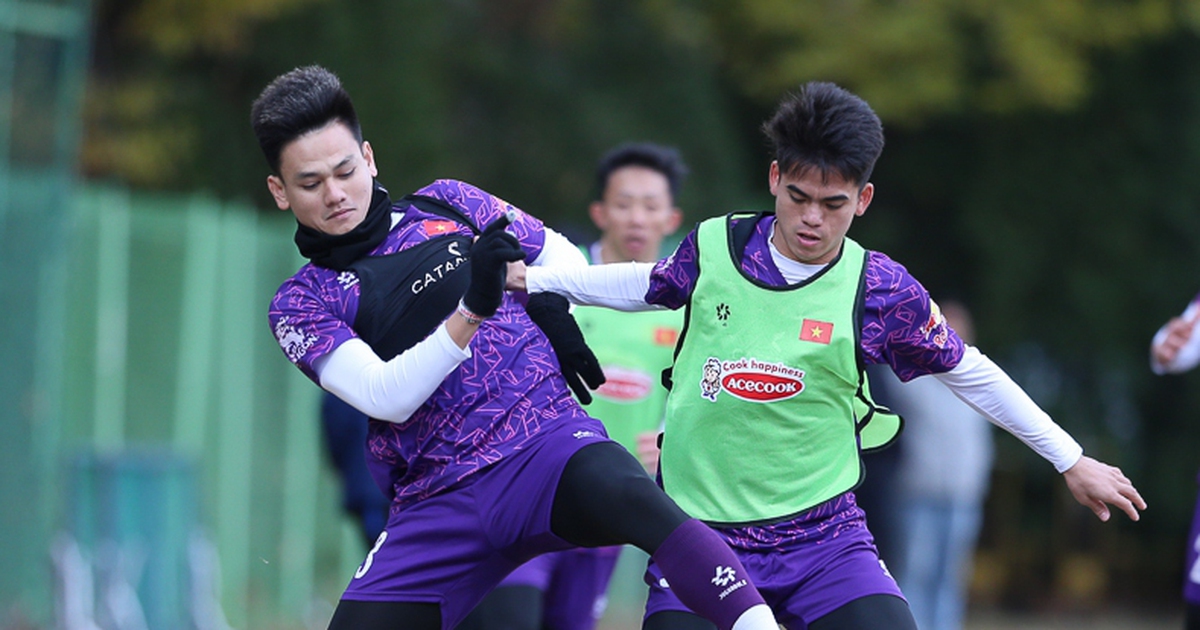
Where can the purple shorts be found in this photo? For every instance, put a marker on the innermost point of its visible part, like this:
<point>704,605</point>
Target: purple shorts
<point>574,584</point>
<point>453,548</point>
<point>1191,570</point>
<point>805,578</point>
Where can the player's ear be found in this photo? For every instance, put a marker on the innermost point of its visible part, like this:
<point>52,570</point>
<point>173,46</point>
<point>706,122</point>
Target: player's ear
<point>596,212</point>
<point>369,156</point>
<point>773,176</point>
<point>275,185</point>
<point>864,198</point>
<point>675,220</point>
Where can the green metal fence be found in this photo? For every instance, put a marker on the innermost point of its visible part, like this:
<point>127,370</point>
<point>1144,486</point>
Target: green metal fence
<point>182,460</point>
<point>43,48</point>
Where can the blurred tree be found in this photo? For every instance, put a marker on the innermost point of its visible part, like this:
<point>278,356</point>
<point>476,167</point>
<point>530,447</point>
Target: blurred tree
<point>914,60</point>
<point>518,96</point>
<point>149,63</point>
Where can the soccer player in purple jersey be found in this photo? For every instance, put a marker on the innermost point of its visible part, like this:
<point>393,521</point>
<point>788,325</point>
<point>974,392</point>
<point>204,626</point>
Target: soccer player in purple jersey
<point>1174,349</point>
<point>475,437</point>
<point>763,426</point>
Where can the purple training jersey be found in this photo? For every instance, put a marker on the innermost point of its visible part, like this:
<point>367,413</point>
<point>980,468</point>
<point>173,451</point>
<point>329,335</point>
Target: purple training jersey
<point>487,408</point>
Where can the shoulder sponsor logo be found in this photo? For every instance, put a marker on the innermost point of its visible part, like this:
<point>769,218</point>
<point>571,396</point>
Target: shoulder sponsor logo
<point>750,380</point>
<point>625,385</point>
<point>934,327</point>
<point>295,344</point>
<point>347,279</point>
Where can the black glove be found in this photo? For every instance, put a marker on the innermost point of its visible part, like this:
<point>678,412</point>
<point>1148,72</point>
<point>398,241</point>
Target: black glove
<point>551,312</point>
<point>490,255</point>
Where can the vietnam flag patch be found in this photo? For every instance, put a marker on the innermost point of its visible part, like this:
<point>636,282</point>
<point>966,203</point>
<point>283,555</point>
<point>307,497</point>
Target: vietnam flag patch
<point>816,331</point>
<point>434,227</point>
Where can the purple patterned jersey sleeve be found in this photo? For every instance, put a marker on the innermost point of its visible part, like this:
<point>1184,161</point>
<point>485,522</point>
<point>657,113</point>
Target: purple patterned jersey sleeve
<point>901,327</point>
<point>756,260</point>
<point>674,277</point>
<point>484,207</point>
<point>309,315</point>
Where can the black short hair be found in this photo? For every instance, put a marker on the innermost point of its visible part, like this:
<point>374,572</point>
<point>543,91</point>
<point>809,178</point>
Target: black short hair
<point>296,103</point>
<point>826,127</point>
<point>657,157</point>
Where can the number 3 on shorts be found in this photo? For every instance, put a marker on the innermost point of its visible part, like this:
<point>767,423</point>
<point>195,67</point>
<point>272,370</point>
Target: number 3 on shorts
<point>366,565</point>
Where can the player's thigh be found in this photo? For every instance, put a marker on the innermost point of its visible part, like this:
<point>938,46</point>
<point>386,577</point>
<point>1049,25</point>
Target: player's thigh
<point>363,615</point>
<point>605,497</point>
<point>676,620</point>
<point>868,613</point>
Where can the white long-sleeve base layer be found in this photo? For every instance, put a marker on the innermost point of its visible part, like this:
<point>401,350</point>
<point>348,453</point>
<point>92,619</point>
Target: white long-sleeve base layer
<point>977,380</point>
<point>393,390</point>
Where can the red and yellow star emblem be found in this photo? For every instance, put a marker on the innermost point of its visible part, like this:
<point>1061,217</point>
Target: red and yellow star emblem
<point>435,227</point>
<point>816,331</point>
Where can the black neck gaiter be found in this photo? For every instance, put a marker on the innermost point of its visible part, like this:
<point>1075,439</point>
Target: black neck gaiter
<point>337,252</point>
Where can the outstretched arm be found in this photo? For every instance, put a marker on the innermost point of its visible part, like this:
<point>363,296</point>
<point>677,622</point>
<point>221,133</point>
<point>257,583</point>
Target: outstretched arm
<point>989,390</point>
<point>1098,485</point>
<point>619,286</point>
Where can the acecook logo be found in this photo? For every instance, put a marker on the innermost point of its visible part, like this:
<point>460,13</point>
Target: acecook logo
<point>761,387</point>
<point>751,380</point>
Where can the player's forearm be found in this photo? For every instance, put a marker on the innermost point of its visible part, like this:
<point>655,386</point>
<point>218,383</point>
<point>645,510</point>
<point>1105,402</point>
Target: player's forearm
<point>980,383</point>
<point>620,286</point>
<point>390,390</point>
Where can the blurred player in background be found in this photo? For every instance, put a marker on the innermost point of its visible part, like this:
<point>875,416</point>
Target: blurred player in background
<point>939,487</point>
<point>636,188</point>
<point>344,434</point>
<point>1176,348</point>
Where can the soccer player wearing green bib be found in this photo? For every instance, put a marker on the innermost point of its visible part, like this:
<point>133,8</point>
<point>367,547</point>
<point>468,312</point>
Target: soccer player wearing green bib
<point>769,408</point>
